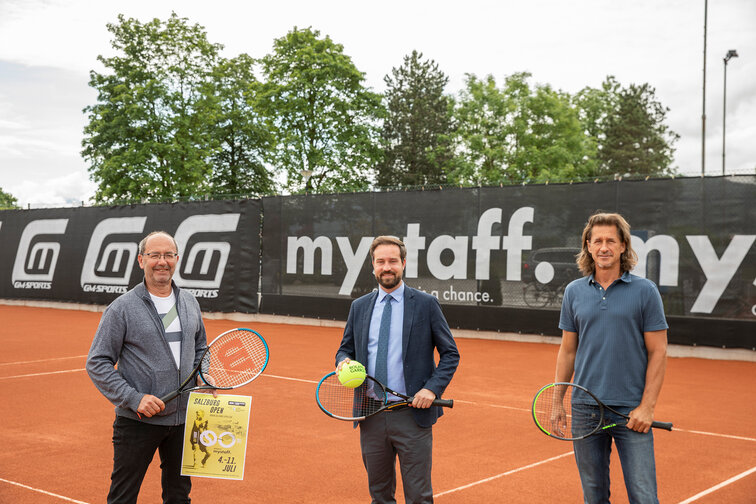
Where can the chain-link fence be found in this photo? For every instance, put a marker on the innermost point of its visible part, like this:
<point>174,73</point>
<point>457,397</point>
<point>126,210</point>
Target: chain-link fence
<point>420,187</point>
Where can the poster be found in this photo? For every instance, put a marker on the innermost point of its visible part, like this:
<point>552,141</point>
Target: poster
<point>215,436</point>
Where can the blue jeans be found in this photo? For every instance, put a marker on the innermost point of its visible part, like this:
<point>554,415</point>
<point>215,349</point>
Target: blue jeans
<point>636,454</point>
<point>134,445</point>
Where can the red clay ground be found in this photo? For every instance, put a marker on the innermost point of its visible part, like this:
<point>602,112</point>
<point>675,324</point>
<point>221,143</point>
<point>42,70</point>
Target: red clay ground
<point>57,427</point>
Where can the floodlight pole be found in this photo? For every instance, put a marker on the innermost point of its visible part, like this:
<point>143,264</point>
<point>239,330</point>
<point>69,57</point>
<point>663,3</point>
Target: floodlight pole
<point>703,114</point>
<point>732,53</point>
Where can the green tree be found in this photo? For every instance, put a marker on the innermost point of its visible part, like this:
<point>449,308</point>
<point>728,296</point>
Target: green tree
<point>417,128</point>
<point>324,119</point>
<point>243,137</point>
<point>556,147</point>
<point>7,201</point>
<point>518,133</point>
<point>637,142</point>
<point>148,135</point>
<point>480,113</point>
<point>627,126</point>
<point>594,106</point>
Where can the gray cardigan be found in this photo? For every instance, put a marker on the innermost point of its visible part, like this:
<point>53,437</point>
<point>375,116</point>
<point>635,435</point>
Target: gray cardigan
<point>131,334</point>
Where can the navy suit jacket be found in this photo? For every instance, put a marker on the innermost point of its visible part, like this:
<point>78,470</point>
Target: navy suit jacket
<point>424,330</point>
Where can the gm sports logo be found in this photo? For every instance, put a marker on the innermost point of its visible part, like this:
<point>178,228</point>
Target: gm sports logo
<point>202,263</point>
<point>36,259</point>
<point>109,262</point>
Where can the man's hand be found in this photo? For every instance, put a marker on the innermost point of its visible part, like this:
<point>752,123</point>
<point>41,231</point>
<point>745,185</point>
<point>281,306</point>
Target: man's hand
<point>559,421</point>
<point>340,364</point>
<point>150,405</point>
<point>423,399</point>
<point>208,380</point>
<point>641,419</point>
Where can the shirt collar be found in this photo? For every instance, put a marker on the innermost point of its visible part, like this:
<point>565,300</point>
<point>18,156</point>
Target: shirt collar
<point>398,294</point>
<point>625,278</point>
<point>145,293</point>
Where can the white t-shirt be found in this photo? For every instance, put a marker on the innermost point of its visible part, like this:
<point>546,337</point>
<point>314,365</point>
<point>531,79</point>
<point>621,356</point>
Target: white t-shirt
<point>167,306</point>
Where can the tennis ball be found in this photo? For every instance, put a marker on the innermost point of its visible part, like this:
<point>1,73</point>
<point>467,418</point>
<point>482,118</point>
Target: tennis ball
<point>352,374</point>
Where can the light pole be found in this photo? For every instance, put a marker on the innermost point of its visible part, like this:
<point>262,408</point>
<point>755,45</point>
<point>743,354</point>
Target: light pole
<point>732,53</point>
<point>306,174</point>
<point>703,114</point>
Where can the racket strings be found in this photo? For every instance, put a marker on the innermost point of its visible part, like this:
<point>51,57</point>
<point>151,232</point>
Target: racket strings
<point>557,413</point>
<point>349,403</point>
<point>235,359</point>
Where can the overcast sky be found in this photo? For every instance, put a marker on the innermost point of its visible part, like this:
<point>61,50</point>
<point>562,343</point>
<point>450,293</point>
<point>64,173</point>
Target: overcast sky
<point>48,47</point>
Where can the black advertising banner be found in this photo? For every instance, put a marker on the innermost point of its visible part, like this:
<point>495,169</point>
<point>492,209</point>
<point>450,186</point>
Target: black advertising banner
<point>499,258</point>
<point>89,255</point>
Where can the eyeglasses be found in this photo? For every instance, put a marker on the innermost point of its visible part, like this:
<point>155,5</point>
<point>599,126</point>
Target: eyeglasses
<point>155,256</point>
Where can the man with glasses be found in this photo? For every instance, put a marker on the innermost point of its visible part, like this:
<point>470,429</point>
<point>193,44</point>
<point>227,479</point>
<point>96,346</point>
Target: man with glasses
<point>155,335</point>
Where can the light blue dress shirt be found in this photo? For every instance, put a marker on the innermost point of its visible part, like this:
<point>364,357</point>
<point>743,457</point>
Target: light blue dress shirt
<point>395,363</point>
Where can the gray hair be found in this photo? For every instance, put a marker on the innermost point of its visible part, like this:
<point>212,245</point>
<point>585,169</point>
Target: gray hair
<point>143,243</point>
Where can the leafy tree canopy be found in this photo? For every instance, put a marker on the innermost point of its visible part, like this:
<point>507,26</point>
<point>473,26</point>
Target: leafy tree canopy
<point>323,119</point>
<point>418,125</point>
<point>149,134</point>
<point>176,120</point>
<point>628,126</point>
<point>244,140</point>
<point>7,200</point>
<point>517,134</point>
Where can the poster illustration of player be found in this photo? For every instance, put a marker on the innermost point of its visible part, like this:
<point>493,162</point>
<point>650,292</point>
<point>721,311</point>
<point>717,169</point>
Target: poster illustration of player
<point>215,436</point>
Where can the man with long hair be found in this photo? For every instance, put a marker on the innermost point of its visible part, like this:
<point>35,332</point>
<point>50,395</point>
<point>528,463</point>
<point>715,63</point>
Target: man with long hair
<point>614,341</point>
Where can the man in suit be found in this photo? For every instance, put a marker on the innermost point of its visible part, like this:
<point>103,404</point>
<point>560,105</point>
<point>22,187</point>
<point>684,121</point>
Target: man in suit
<point>395,330</point>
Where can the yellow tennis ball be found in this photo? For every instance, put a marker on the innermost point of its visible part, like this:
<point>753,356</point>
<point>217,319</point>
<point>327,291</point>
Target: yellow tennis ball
<point>352,374</point>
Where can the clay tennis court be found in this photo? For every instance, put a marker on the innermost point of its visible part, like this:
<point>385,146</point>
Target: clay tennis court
<point>56,427</point>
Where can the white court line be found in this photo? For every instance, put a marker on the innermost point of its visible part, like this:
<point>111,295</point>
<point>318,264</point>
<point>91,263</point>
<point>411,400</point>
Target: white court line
<point>41,360</point>
<point>500,406</point>
<point>717,487</point>
<point>42,374</point>
<point>675,429</point>
<point>460,401</point>
<point>67,499</point>
<point>287,378</point>
<point>82,369</point>
<point>486,480</point>
<point>717,435</point>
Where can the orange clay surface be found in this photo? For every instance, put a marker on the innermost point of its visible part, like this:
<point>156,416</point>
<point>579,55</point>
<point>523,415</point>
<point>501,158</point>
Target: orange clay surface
<point>56,427</point>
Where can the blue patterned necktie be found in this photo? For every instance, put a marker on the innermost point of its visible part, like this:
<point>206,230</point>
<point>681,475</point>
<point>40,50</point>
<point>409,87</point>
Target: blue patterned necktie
<point>381,358</point>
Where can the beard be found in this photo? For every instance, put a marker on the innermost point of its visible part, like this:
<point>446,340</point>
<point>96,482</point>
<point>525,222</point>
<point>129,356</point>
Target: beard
<point>389,280</point>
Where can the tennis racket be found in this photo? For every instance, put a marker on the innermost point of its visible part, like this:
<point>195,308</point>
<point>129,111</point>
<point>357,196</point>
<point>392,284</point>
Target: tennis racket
<point>354,404</point>
<point>553,412</point>
<point>231,360</point>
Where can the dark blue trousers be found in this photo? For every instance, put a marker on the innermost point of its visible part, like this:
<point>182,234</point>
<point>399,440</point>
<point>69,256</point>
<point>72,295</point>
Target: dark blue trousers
<point>134,445</point>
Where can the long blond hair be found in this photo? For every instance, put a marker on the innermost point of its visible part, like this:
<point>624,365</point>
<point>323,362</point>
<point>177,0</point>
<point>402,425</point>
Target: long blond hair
<point>628,259</point>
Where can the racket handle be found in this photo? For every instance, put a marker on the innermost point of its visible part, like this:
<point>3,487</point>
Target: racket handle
<point>662,425</point>
<point>444,403</point>
<point>170,396</point>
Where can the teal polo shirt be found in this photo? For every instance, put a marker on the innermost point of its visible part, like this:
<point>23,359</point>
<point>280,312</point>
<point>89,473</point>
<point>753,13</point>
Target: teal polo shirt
<point>611,357</point>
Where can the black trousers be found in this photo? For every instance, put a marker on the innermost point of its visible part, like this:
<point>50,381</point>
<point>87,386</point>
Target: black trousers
<point>387,435</point>
<point>134,445</point>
